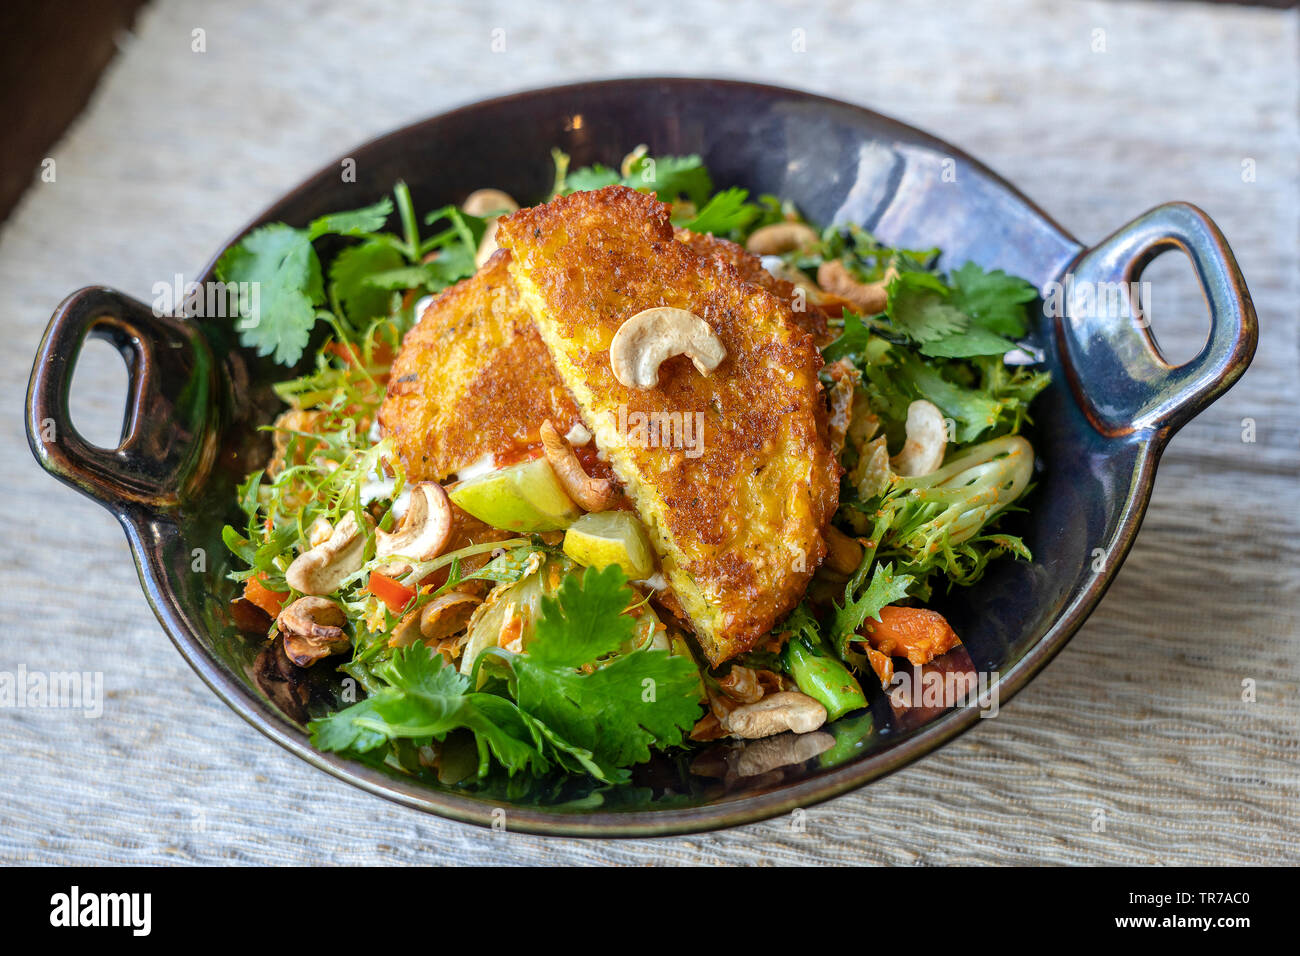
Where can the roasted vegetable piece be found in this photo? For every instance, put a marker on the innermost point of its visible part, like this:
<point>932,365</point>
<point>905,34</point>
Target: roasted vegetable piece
<point>916,633</point>
<point>394,594</point>
<point>255,592</point>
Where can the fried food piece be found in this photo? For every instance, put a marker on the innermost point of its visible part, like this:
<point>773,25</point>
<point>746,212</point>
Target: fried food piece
<point>732,473</point>
<point>473,382</point>
<point>807,316</point>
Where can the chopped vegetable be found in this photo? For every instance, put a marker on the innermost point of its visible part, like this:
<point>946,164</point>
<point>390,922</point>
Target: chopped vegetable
<point>257,593</point>
<point>916,633</point>
<point>395,595</point>
<point>823,678</point>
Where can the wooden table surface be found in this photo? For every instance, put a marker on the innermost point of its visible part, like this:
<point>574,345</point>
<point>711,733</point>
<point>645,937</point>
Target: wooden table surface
<point>1134,746</point>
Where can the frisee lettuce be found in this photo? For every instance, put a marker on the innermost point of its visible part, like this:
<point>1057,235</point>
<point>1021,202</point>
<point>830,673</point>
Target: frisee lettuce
<point>941,338</point>
<point>885,588</point>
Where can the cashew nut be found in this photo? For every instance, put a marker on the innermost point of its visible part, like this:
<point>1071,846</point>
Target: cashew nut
<point>445,615</point>
<point>843,554</point>
<point>761,756</point>
<point>775,714</point>
<point>578,435</point>
<point>323,569</point>
<point>652,336</point>
<point>778,268</point>
<point>625,167</point>
<point>487,245</point>
<point>483,201</point>
<point>591,494</point>
<point>927,438</point>
<point>424,531</point>
<point>869,298</point>
<point>480,203</point>
<point>312,628</point>
<point>780,237</point>
<point>319,532</point>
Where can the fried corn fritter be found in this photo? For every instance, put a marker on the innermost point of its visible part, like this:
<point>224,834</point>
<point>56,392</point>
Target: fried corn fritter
<point>472,381</point>
<point>736,515</point>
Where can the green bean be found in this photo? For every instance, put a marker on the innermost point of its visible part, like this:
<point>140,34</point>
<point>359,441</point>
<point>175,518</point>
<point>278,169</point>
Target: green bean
<point>824,679</point>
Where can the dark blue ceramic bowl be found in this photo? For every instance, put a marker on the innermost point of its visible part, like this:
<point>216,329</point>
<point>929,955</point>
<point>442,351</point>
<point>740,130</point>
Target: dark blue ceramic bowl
<point>197,398</point>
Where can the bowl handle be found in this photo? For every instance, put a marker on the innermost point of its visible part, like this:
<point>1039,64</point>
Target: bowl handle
<point>168,437</point>
<point>1115,368</point>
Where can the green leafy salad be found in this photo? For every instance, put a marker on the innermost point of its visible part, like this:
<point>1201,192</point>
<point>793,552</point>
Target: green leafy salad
<point>494,628</point>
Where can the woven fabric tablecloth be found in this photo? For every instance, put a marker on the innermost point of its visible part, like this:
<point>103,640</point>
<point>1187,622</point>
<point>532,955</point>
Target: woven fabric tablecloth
<point>1134,746</point>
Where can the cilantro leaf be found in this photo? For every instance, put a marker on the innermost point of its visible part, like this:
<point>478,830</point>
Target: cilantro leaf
<point>424,700</point>
<point>726,212</point>
<point>919,308</point>
<point>974,341</point>
<point>669,177</point>
<point>584,620</point>
<point>613,711</point>
<point>435,275</point>
<point>973,410</point>
<point>994,300</point>
<point>279,262</point>
<point>354,223</point>
<point>853,340</point>
<point>618,711</point>
<point>591,177</point>
<point>570,756</point>
<point>350,273</point>
<point>980,315</point>
<point>345,731</point>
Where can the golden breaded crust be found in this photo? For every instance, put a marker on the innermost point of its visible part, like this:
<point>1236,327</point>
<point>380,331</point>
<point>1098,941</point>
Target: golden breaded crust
<point>809,317</point>
<point>472,379</point>
<point>738,527</point>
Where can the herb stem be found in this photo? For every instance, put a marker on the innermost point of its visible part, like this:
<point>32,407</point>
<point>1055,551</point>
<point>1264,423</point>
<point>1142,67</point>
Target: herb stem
<point>425,568</point>
<point>410,227</point>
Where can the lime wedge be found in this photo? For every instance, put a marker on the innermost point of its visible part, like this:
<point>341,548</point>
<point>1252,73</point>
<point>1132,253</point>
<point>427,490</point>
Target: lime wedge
<point>522,497</point>
<point>611,537</point>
